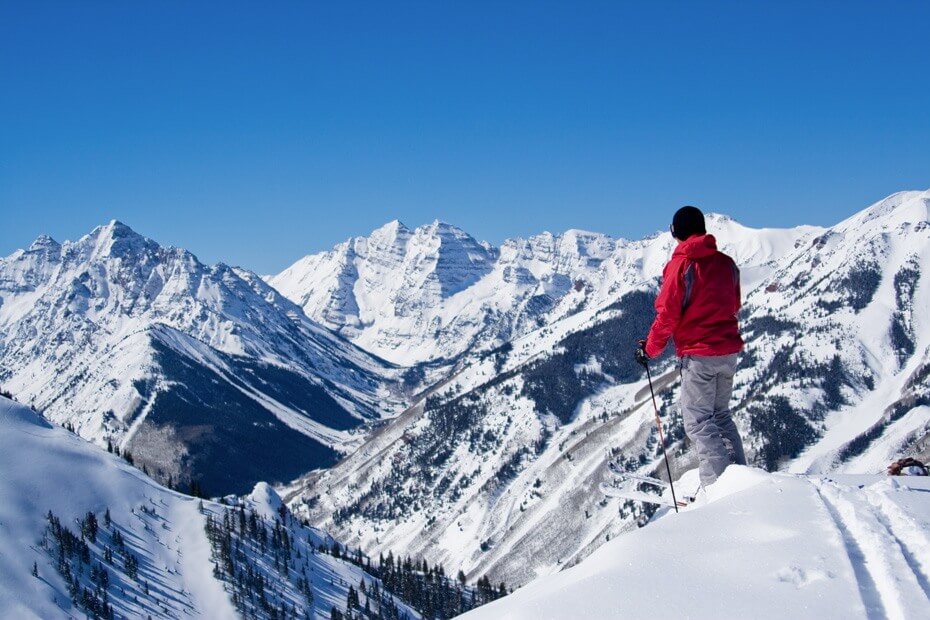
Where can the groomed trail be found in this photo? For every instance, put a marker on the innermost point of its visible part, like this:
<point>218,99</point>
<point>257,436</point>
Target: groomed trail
<point>759,545</point>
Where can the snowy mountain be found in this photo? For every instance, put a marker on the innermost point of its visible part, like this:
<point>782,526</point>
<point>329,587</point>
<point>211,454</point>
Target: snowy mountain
<point>496,469</point>
<point>87,535</point>
<point>434,293</point>
<point>845,312</point>
<point>763,546</point>
<point>526,353</point>
<point>202,372</point>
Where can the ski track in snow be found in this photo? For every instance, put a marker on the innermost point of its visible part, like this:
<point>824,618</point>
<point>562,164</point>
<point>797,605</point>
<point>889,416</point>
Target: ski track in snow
<point>769,545</point>
<point>868,587</point>
<point>891,579</point>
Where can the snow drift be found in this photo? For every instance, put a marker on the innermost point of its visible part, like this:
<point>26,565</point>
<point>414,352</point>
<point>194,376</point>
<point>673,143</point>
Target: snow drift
<point>763,546</point>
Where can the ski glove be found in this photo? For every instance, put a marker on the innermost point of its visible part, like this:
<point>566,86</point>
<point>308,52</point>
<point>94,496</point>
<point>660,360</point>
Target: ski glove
<point>641,356</point>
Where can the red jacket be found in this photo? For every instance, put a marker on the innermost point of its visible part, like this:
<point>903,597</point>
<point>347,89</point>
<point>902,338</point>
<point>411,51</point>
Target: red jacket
<point>698,303</point>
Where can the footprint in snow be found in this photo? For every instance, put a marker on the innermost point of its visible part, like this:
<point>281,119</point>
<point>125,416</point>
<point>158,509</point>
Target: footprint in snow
<point>799,577</point>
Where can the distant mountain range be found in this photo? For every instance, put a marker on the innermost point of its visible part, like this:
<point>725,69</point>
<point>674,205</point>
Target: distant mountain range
<point>434,294</point>
<point>201,372</point>
<point>420,390</point>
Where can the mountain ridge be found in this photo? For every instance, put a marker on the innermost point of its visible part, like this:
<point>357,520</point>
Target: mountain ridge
<point>487,295</point>
<point>99,332</point>
<point>497,469</point>
<point>527,387</point>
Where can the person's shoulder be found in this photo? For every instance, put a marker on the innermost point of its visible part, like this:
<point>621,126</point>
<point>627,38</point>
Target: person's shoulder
<point>675,262</point>
<point>723,256</point>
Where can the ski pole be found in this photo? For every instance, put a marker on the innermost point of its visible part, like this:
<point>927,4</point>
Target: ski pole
<point>655,406</point>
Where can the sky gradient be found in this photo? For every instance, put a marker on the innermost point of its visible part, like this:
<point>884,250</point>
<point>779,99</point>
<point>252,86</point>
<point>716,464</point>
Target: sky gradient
<point>255,135</point>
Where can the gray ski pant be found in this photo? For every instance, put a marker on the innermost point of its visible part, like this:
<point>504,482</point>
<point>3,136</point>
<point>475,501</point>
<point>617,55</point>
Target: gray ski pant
<point>706,385</point>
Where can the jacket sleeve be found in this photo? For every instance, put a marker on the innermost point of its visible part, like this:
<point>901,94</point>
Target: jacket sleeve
<point>668,308</point>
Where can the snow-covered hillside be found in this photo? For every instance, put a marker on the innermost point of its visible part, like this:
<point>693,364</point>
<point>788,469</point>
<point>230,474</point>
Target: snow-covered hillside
<point>763,546</point>
<point>83,532</point>
<point>434,293</point>
<point>201,372</point>
<point>840,342</point>
<point>497,469</point>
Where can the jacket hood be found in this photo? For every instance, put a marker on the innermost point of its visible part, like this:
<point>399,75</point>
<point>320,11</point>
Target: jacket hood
<point>697,246</point>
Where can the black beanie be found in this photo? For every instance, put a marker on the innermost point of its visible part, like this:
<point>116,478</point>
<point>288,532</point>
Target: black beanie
<point>686,222</point>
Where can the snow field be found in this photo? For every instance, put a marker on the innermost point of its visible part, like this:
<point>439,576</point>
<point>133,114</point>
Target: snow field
<point>762,546</point>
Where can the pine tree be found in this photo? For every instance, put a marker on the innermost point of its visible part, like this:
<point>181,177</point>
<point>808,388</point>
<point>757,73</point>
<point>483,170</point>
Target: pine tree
<point>131,566</point>
<point>35,570</point>
<point>89,527</point>
<point>352,599</point>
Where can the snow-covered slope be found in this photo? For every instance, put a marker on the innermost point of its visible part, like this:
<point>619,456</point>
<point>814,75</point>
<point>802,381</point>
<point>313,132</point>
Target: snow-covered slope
<point>845,312</point>
<point>150,542</point>
<point>764,546</point>
<point>497,469</point>
<point>434,293</point>
<point>201,372</point>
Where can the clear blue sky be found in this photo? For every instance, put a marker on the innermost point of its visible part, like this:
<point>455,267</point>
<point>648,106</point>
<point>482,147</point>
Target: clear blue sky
<point>254,133</point>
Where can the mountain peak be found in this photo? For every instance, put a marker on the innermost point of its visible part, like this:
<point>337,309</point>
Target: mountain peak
<point>901,208</point>
<point>394,233</point>
<point>580,232</point>
<point>114,229</point>
<point>116,239</point>
<point>439,225</point>
<point>393,226</point>
<point>445,230</point>
<point>44,242</point>
<point>118,229</point>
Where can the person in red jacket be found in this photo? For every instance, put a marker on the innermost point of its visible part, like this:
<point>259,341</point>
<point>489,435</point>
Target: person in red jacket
<point>698,307</point>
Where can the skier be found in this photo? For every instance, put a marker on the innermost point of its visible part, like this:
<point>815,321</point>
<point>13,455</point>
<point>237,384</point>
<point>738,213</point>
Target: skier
<point>698,307</point>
